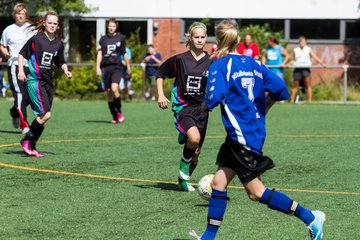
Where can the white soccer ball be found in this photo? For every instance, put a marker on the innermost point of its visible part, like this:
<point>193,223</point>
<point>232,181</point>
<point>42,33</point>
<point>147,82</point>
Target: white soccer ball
<point>204,186</point>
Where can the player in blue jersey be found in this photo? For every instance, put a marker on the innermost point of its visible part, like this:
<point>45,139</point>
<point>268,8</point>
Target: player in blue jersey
<point>190,72</point>
<point>246,90</point>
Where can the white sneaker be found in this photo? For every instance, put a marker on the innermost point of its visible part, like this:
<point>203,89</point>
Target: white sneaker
<point>193,234</point>
<point>25,130</point>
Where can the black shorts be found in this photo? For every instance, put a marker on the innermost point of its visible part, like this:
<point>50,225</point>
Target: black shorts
<point>247,165</point>
<point>301,73</point>
<point>111,74</point>
<point>190,117</point>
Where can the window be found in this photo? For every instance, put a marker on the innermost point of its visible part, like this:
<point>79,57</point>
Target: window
<point>315,29</point>
<point>352,30</point>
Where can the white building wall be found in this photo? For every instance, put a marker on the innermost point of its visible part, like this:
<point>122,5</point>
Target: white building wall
<point>259,9</point>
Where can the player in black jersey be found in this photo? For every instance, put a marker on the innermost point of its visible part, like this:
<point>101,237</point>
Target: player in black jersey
<point>109,66</point>
<point>41,51</point>
<point>190,72</point>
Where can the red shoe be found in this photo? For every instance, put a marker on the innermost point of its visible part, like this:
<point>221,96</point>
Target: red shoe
<point>114,121</point>
<point>120,117</point>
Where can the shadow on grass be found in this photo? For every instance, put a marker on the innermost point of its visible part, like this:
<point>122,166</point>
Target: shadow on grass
<point>163,186</point>
<point>11,132</point>
<point>98,121</point>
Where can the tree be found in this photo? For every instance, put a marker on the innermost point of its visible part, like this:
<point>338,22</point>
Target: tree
<point>36,7</point>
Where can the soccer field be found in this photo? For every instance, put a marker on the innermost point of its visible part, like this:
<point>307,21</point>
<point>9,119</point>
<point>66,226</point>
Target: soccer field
<point>104,181</point>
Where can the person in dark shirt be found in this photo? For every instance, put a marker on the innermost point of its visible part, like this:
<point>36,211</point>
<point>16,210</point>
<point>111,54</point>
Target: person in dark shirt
<point>109,66</point>
<point>152,59</point>
<point>190,70</point>
<point>42,51</point>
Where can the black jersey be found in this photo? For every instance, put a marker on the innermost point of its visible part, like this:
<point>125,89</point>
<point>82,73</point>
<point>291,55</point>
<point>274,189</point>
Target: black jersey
<point>190,78</point>
<point>42,53</point>
<point>112,48</point>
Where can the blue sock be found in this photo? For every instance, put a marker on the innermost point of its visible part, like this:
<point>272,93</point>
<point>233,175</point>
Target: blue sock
<point>280,202</point>
<point>217,207</point>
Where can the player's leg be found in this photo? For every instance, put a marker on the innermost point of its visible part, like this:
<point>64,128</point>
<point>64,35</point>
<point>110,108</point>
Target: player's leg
<point>193,140</point>
<point>218,201</point>
<point>14,90</point>
<point>295,88</point>
<point>278,201</point>
<point>115,81</point>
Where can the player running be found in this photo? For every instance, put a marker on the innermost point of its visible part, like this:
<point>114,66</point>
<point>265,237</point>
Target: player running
<point>190,72</point>
<point>13,39</point>
<point>246,90</point>
<point>109,66</point>
<point>41,51</point>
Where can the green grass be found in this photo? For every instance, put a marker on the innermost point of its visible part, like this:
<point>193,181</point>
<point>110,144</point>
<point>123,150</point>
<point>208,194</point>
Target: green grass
<point>315,147</point>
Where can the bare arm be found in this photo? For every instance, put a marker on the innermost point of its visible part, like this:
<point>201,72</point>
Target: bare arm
<point>64,67</point>
<point>286,56</point>
<point>263,58</point>
<point>269,104</point>
<point>5,52</point>
<point>21,73</point>
<point>98,62</point>
<point>314,56</point>
<point>162,100</point>
<point>158,61</point>
<point>127,63</point>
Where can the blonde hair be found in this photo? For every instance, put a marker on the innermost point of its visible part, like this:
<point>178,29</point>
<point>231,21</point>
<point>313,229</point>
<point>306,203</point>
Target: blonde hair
<point>19,7</point>
<point>191,29</point>
<point>227,38</point>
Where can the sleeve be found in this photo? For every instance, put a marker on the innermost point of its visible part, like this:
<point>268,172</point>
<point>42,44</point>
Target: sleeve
<point>167,69</point>
<point>215,86</point>
<point>123,47</point>
<point>60,60</point>
<point>26,50</point>
<point>100,44</point>
<point>158,56</point>
<point>274,85</point>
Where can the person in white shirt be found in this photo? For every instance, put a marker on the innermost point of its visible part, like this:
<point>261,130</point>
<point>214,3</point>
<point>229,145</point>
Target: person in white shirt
<point>12,40</point>
<point>302,60</point>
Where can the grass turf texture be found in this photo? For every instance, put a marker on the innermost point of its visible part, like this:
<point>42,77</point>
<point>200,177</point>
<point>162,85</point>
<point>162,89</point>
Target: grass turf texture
<point>315,147</point>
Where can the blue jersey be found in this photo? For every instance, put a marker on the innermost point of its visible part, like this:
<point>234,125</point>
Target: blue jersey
<point>239,83</point>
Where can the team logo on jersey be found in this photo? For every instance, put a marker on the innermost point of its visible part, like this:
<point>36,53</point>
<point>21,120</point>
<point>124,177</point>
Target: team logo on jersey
<point>46,58</point>
<point>193,84</point>
<point>213,73</point>
<point>205,74</point>
<point>243,60</point>
<point>212,80</point>
<point>248,83</point>
<point>118,44</point>
<point>111,48</point>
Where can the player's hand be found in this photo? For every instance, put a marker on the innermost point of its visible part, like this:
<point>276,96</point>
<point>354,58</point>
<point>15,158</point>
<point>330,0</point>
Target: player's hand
<point>98,71</point>
<point>163,102</point>
<point>68,74</point>
<point>204,107</point>
<point>128,71</point>
<point>21,76</point>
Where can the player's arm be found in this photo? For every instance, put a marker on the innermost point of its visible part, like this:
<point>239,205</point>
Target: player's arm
<point>274,86</point>
<point>166,70</point>
<point>215,88</point>
<point>21,73</point>
<point>127,64</point>
<point>98,62</point>
<point>66,71</point>
<point>4,51</point>
<point>269,103</point>
<point>286,56</point>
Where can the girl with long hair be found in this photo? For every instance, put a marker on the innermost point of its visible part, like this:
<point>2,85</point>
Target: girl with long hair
<point>41,51</point>
<point>190,71</point>
<point>246,90</point>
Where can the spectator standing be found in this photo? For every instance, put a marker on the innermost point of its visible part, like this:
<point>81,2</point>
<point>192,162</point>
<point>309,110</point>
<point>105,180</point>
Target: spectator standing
<point>248,48</point>
<point>153,60</point>
<point>302,60</point>
<point>275,55</point>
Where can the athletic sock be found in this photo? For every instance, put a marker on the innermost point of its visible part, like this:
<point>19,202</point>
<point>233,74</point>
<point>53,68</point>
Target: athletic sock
<point>117,102</point>
<point>216,211</point>
<point>280,202</point>
<point>112,109</point>
<point>185,162</point>
<point>36,130</point>
<point>192,167</point>
<point>188,152</point>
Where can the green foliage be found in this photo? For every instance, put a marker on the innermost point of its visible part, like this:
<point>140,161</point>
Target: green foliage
<point>62,7</point>
<point>260,35</point>
<point>83,84</point>
<point>138,48</point>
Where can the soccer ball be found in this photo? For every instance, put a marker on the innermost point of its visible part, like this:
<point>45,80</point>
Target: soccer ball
<point>204,186</point>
